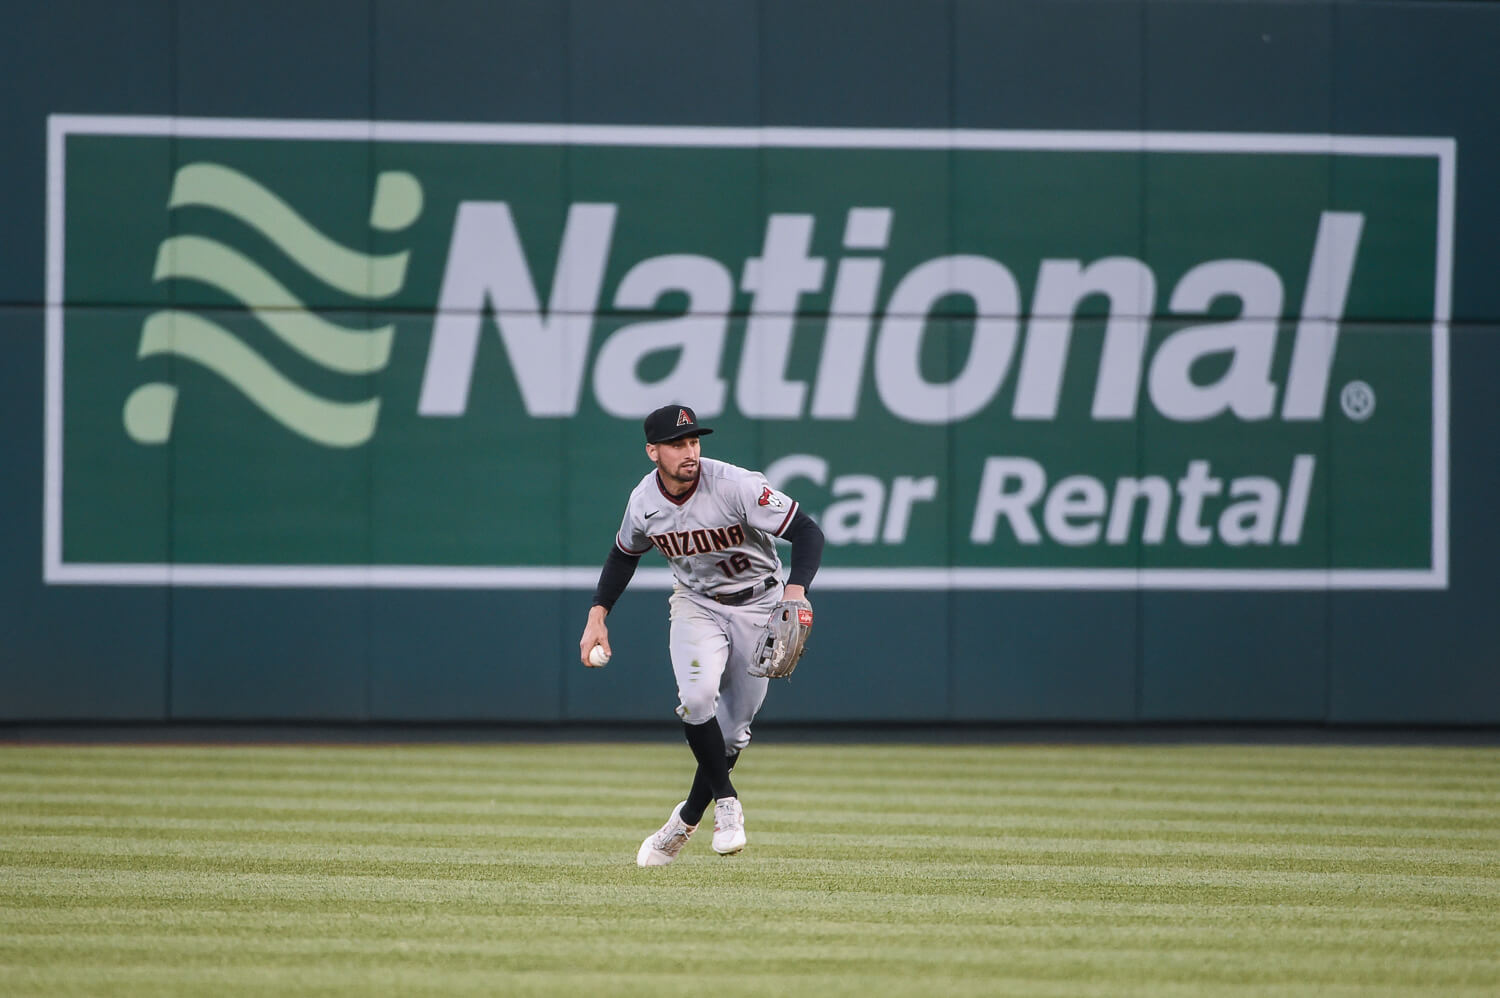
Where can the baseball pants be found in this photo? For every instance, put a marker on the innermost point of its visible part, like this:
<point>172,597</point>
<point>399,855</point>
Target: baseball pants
<point>713,646</point>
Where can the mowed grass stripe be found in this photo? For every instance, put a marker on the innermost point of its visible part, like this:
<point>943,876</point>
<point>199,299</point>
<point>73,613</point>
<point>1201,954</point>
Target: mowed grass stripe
<point>897,760</point>
<point>1047,979</point>
<point>872,870</point>
<point>1222,840</point>
<point>236,822</point>
<point>1305,963</point>
<point>1030,920</point>
<point>1451,772</point>
<point>537,785</point>
<point>768,761</point>
<point>1080,879</point>
<point>870,920</point>
<point>1305,967</point>
<point>920,943</point>
<point>1317,765</point>
<point>913,808</point>
<point>1034,916</point>
<point>1377,861</point>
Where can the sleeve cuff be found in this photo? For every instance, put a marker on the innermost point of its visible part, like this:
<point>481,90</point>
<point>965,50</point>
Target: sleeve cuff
<point>790,514</point>
<point>634,554</point>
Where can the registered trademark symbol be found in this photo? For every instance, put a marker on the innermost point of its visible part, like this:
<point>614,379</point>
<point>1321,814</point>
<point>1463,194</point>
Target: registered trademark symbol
<point>1358,400</point>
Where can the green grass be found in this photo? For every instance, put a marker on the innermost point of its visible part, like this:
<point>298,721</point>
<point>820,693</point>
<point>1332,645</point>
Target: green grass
<point>871,870</point>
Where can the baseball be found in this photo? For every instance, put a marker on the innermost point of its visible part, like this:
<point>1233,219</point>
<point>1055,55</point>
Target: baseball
<point>597,655</point>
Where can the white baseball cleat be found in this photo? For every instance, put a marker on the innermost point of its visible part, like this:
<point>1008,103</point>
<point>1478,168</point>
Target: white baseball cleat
<point>663,845</point>
<point>729,826</point>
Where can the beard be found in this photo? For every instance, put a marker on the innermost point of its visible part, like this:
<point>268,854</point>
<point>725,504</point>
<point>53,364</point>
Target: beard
<point>684,475</point>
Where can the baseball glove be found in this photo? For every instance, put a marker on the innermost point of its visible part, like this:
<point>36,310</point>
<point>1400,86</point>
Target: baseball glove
<point>783,640</point>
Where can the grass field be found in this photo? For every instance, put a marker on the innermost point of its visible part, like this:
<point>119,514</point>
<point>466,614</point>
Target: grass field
<point>871,870</point>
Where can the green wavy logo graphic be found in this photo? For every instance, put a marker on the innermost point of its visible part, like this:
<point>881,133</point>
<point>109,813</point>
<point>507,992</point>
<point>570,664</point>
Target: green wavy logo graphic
<point>396,204</point>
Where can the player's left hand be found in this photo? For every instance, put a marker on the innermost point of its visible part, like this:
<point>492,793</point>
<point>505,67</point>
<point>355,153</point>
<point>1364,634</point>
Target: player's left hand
<point>784,637</point>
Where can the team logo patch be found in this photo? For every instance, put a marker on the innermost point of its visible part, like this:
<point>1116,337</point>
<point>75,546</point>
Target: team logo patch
<point>769,498</point>
<point>804,617</point>
<point>683,419</point>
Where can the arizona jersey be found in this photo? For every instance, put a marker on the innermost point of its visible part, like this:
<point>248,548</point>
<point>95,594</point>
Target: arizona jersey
<point>719,536</point>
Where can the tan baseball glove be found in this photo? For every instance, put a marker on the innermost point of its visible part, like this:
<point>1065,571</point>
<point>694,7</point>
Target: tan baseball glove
<point>783,640</point>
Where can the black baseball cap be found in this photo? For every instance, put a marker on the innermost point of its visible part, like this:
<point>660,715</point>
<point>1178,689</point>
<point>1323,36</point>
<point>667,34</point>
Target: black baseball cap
<point>673,422</point>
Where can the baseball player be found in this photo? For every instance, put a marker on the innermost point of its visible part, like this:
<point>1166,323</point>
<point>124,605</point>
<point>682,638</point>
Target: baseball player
<point>715,524</point>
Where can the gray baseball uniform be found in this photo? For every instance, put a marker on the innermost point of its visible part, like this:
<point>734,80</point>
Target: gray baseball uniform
<point>718,538</point>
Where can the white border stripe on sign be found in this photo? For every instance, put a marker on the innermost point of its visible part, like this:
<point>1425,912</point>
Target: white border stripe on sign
<point>56,571</point>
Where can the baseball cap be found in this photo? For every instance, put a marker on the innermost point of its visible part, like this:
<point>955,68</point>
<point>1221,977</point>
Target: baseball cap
<point>672,422</point>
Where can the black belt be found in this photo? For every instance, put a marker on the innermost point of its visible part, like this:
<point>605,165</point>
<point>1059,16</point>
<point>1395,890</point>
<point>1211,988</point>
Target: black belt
<point>747,594</point>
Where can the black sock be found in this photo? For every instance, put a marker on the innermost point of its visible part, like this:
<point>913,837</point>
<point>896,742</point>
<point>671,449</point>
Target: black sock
<point>701,795</point>
<point>711,780</point>
<point>707,742</point>
<point>698,799</point>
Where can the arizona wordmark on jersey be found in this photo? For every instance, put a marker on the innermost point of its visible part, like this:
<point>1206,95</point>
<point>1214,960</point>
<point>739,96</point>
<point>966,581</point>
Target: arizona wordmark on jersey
<point>719,535</point>
<point>682,543</point>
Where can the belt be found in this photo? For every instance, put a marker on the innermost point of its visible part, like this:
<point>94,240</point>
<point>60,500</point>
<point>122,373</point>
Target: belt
<point>747,594</point>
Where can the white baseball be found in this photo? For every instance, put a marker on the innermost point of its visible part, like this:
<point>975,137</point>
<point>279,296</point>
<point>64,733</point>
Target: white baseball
<point>597,655</point>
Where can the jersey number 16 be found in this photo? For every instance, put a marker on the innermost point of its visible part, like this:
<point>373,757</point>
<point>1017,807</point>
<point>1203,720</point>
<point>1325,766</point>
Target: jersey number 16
<point>736,564</point>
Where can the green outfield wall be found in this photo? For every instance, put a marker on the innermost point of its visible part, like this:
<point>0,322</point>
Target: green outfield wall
<point>1137,358</point>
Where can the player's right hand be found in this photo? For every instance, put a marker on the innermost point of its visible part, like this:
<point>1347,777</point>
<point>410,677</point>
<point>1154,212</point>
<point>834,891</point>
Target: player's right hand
<point>594,633</point>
